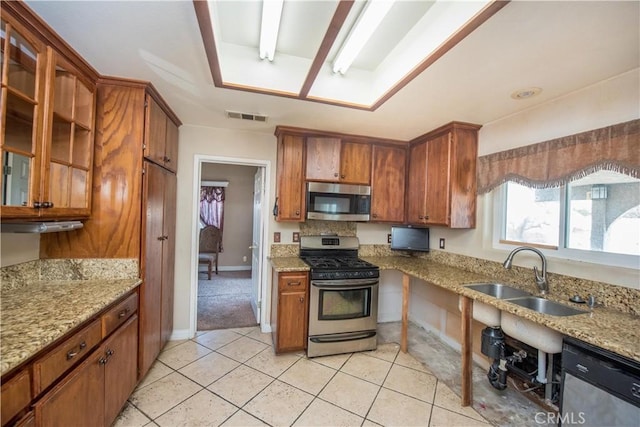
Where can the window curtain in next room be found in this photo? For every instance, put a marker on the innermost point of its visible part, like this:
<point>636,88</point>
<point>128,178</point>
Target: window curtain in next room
<point>559,161</point>
<point>212,207</point>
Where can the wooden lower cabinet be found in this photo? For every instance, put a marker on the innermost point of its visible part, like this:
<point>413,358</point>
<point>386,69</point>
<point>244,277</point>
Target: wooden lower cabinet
<point>121,369</point>
<point>16,395</point>
<point>75,401</point>
<point>94,393</point>
<point>290,311</point>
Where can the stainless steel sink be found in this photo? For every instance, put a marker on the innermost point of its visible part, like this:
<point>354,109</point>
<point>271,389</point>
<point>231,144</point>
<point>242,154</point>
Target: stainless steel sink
<point>545,306</point>
<point>498,290</point>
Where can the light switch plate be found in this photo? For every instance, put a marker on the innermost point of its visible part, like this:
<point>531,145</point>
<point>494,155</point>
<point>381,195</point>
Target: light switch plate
<point>276,237</point>
<point>441,243</point>
<point>296,237</point>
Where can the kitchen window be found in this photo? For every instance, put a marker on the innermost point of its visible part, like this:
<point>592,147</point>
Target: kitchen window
<point>595,218</point>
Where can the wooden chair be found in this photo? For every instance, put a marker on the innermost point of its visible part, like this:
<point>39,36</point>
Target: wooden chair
<point>209,247</point>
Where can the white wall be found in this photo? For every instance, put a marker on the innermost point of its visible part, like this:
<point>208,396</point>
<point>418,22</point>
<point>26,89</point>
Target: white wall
<point>609,102</point>
<point>218,144</point>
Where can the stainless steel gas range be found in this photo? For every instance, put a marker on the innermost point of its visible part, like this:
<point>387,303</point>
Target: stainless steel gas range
<point>343,302</point>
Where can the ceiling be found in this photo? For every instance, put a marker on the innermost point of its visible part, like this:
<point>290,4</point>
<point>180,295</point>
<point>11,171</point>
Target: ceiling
<point>561,47</point>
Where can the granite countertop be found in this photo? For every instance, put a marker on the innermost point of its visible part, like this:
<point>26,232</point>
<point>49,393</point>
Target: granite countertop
<point>36,315</point>
<point>288,263</point>
<point>612,330</point>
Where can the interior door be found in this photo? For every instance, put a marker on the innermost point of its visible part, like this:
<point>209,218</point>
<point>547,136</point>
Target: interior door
<point>256,243</point>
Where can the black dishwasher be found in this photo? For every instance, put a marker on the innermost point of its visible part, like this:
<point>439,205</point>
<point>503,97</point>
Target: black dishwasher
<point>599,388</point>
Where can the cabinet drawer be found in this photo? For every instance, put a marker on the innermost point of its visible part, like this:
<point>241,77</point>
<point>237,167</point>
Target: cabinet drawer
<point>119,314</point>
<point>51,366</point>
<point>292,282</point>
<point>16,395</point>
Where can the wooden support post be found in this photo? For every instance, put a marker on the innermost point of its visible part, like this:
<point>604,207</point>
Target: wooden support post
<point>467,344</point>
<point>405,313</point>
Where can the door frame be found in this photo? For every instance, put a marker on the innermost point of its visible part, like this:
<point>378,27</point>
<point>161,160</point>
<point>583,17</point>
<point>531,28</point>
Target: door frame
<point>198,160</point>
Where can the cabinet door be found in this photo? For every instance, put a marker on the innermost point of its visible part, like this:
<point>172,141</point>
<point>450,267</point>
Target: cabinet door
<point>15,395</point>
<point>292,310</point>
<point>151,288</point>
<point>438,183</point>
<point>21,115</point>
<point>168,257</point>
<point>120,369</point>
<point>355,163</point>
<point>388,183</point>
<point>292,323</point>
<point>290,179</point>
<point>78,400</point>
<point>155,131</point>
<point>69,139</point>
<point>323,159</point>
<point>171,147</point>
<point>417,186</point>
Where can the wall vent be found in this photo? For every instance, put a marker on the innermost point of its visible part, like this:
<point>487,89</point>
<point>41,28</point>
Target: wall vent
<point>246,116</point>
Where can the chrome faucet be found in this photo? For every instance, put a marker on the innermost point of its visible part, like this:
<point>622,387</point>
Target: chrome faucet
<point>541,279</point>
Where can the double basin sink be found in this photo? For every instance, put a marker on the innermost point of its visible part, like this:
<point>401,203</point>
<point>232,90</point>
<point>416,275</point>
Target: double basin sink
<point>524,299</point>
<point>532,333</point>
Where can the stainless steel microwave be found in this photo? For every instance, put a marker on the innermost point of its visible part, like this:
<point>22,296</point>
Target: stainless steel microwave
<point>338,202</point>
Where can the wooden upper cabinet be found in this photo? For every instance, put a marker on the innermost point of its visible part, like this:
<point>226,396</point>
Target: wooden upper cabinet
<point>47,134</point>
<point>355,163</point>
<point>442,177</point>
<point>335,160</point>
<point>388,184</point>
<point>160,136</point>
<point>290,186</point>
<point>69,140</point>
<point>21,137</point>
<point>323,159</point>
<point>171,147</point>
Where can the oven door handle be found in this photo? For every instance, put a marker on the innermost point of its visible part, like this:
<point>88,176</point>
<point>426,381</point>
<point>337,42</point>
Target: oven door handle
<point>349,283</point>
<point>343,337</point>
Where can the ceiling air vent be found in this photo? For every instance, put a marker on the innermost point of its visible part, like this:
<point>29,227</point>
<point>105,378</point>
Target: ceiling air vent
<point>246,116</point>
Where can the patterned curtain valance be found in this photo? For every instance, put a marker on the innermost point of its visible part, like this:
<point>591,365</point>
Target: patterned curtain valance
<point>558,161</point>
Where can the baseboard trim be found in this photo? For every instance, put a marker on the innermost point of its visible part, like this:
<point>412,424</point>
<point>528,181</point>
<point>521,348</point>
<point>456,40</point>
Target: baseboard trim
<point>180,334</point>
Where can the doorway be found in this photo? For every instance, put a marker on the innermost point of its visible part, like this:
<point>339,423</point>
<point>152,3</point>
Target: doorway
<point>233,297</point>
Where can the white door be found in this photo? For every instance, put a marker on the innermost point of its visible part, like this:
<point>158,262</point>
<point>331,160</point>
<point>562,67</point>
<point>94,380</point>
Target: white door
<point>256,244</point>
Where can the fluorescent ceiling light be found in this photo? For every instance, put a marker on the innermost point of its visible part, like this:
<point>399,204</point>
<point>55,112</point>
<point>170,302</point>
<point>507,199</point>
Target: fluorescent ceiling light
<point>372,14</point>
<point>271,13</point>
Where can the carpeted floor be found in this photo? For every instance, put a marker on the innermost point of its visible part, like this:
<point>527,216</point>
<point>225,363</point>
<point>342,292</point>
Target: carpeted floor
<point>225,301</point>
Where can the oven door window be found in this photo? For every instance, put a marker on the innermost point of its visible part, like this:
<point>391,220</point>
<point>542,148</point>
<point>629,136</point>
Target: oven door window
<point>344,304</point>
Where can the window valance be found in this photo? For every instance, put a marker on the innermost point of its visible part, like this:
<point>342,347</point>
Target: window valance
<point>558,161</point>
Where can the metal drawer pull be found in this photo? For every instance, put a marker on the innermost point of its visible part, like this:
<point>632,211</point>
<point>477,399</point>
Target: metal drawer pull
<point>123,313</point>
<point>72,354</point>
<point>294,283</point>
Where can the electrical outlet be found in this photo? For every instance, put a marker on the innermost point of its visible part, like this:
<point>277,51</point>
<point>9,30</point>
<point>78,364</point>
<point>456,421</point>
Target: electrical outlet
<point>442,243</point>
<point>296,237</point>
<point>276,237</point>
<point>388,238</point>
<point>244,258</point>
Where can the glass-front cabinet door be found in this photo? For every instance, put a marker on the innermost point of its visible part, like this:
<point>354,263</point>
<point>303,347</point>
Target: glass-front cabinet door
<point>21,103</point>
<point>71,103</point>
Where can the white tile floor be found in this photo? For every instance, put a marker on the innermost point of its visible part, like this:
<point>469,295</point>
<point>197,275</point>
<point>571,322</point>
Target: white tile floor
<point>233,378</point>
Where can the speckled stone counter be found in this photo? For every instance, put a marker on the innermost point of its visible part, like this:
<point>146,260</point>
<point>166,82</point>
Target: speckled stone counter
<point>288,263</point>
<point>610,329</point>
<point>613,330</point>
<point>37,314</point>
